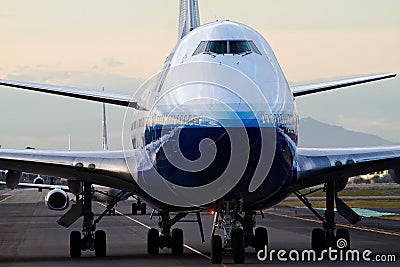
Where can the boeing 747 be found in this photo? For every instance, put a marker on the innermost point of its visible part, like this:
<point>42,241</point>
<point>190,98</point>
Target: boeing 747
<point>216,129</point>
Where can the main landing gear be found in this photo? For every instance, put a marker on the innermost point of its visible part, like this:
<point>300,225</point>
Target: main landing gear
<point>325,237</point>
<point>89,238</point>
<point>237,233</point>
<point>167,239</point>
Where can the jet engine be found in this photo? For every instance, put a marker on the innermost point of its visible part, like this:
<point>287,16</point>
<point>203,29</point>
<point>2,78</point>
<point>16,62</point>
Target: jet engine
<point>341,184</point>
<point>38,180</point>
<point>57,199</point>
<point>395,174</point>
<point>12,178</point>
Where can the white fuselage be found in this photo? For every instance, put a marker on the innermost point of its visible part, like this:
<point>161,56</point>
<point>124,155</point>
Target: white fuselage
<point>222,79</point>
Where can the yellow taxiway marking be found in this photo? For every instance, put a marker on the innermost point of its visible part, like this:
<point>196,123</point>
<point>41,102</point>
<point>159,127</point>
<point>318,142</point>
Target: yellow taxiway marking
<point>5,199</point>
<point>148,227</point>
<point>362,228</point>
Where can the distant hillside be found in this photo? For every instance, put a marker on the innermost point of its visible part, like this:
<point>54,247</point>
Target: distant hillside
<point>313,133</point>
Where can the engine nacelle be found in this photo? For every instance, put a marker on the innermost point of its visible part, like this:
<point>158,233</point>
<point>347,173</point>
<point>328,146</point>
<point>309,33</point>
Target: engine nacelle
<point>12,178</point>
<point>38,180</point>
<point>395,174</point>
<point>57,199</point>
<point>341,184</point>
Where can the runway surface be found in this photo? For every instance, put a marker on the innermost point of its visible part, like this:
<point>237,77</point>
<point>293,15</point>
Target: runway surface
<point>30,236</point>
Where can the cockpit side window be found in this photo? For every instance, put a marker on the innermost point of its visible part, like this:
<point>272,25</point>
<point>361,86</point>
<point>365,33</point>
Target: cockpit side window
<point>254,47</point>
<point>201,48</point>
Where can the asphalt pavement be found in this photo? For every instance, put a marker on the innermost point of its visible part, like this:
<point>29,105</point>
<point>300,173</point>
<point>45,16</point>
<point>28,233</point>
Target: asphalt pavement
<point>30,236</point>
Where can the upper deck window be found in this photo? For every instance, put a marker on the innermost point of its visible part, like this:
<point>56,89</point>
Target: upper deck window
<point>234,47</point>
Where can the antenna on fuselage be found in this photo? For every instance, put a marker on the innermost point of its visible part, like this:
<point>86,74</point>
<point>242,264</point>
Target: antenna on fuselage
<point>189,17</point>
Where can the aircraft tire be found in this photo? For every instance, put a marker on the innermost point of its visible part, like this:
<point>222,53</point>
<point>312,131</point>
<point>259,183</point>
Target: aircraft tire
<point>216,249</point>
<point>143,208</point>
<point>153,241</point>
<point>100,243</point>
<point>238,249</point>
<point>261,238</point>
<point>343,233</point>
<point>318,240</point>
<point>134,208</point>
<point>177,241</point>
<point>75,244</point>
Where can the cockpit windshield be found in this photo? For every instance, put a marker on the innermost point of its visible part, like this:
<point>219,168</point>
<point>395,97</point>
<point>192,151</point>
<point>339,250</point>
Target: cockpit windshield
<point>238,47</point>
<point>217,47</point>
<point>234,47</point>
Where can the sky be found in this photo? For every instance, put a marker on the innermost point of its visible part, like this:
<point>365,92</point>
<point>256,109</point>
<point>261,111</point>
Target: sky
<point>118,44</point>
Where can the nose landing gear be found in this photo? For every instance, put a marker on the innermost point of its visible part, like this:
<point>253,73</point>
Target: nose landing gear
<point>237,233</point>
<point>139,206</point>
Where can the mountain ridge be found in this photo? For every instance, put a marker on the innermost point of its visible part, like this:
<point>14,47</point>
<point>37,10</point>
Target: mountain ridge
<point>314,133</point>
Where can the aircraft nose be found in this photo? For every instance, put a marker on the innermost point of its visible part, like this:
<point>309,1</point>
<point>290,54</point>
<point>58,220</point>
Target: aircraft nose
<point>213,88</point>
<point>212,140</point>
<point>203,132</point>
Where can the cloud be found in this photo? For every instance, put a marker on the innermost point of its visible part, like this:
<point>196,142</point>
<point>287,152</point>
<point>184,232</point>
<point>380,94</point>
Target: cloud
<point>40,76</point>
<point>22,68</point>
<point>362,122</point>
<point>112,62</point>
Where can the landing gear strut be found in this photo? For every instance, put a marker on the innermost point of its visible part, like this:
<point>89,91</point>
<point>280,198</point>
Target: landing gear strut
<point>169,239</point>
<point>90,239</point>
<point>324,238</point>
<point>237,233</point>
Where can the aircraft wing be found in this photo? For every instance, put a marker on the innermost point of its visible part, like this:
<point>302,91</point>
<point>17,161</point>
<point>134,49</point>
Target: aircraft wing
<point>40,186</point>
<point>93,95</point>
<point>317,166</point>
<point>108,168</point>
<point>320,87</point>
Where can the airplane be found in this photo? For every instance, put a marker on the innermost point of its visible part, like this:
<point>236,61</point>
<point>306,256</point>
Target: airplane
<point>217,129</point>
